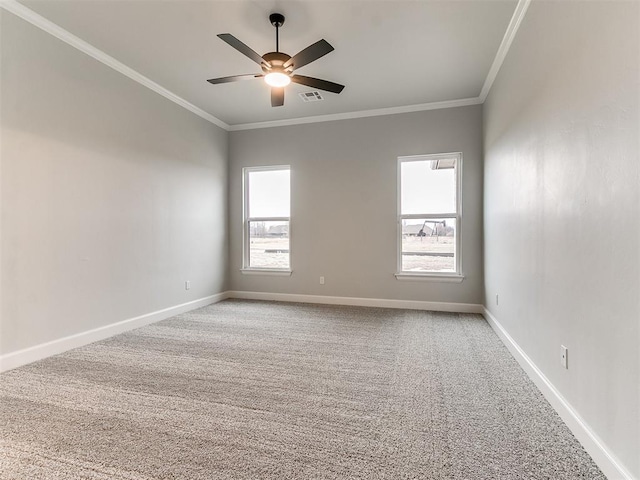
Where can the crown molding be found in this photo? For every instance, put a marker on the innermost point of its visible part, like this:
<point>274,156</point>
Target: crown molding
<point>464,102</point>
<point>510,33</point>
<point>48,26</point>
<point>507,40</point>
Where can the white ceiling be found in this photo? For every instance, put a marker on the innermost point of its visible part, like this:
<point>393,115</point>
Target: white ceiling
<point>387,53</point>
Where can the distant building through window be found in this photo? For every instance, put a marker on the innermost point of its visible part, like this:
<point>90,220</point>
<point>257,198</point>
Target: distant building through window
<point>429,214</point>
<point>266,218</point>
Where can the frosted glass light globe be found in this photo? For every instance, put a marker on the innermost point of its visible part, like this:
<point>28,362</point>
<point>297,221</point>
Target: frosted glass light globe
<point>277,79</point>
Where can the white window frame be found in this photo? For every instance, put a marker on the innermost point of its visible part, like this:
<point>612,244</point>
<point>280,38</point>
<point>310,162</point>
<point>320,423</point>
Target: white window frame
<point>247,219</point>
<point>456,276</point>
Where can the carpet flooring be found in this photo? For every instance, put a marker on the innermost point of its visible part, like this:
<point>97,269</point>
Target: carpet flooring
<point>262,390</point>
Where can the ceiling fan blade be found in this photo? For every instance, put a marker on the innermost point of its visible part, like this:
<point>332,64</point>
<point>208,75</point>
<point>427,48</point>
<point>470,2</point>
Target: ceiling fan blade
<point>309,54</point>
<point>234,78</point>
<point>277,96</point>
<point>242,48</point>
<point>317,83</point>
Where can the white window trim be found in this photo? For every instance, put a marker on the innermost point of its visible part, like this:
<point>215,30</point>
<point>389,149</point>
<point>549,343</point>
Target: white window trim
<point>266,271</point>
<point>430,277</point>
<point>449,277</point>
<point>246,220</point>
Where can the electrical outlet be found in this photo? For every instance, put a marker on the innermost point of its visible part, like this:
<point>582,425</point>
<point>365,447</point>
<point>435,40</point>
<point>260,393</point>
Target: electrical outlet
<point>497,303</point>
<point>321,280</point>
<point>564,356</point>
<point>187,285</point>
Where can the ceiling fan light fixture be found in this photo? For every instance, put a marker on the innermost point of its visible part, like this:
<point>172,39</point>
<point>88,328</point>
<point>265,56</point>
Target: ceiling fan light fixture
<point>279,67</point>
<point>277,79</point>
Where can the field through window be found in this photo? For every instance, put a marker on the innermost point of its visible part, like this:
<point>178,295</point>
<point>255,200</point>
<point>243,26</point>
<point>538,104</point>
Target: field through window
<point>269,244</point>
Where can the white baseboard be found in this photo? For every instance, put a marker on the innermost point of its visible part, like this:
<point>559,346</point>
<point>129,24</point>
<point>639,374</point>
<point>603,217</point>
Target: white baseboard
<point>601,455</point>
<point>38,352</point>
<point>360,302</point>
<point>594,446</point>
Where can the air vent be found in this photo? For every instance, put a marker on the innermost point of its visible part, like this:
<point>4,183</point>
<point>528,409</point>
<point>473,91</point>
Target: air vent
<point>311,96</point>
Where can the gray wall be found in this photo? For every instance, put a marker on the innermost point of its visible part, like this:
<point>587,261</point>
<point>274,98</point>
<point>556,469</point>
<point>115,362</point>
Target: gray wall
<point>344,203</point>
<point>112,196</point>
<point>562,209</point>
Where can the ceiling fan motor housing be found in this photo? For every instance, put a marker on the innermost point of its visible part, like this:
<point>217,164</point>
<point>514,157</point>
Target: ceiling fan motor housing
<point>276,60</point>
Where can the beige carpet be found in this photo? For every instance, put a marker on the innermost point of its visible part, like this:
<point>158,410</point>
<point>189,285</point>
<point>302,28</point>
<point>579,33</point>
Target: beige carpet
<point>259,390</point>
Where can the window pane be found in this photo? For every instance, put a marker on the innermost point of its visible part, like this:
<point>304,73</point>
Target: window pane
<point>269,244</point>
<point>428,186</point>
<point>429,245</point>
<point>269,193</point>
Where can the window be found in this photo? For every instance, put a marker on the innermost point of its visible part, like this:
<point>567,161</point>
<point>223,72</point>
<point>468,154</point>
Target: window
<point>266,219</point>
<point>429,216</point>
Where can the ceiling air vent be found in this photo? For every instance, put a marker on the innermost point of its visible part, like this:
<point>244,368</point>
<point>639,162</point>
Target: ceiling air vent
<point>311,96</point>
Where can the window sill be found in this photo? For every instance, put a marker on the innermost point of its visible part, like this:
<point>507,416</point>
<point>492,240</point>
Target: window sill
<point>430,277</point>
<point>264,271</point>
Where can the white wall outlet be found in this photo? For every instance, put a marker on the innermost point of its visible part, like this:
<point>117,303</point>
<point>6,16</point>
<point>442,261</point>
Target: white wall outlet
<point>497,303</point>
<point>564,356</point>
<point>321,280</point>
<point>187,285</point>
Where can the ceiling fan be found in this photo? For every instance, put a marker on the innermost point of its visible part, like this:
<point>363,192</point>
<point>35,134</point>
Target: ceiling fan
<point>278,67</point>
